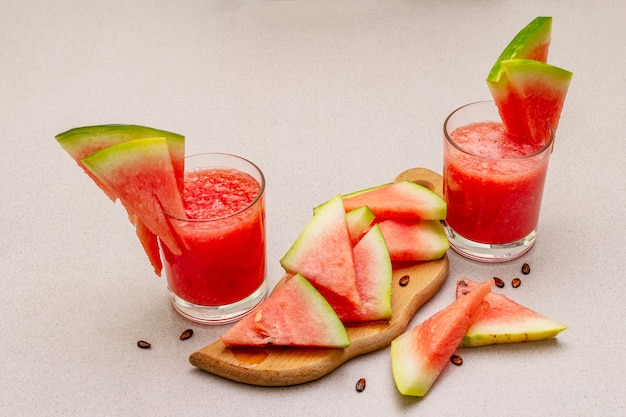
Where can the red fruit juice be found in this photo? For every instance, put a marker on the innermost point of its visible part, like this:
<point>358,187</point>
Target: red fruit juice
<point>222,240</point>
<point>493,183</point>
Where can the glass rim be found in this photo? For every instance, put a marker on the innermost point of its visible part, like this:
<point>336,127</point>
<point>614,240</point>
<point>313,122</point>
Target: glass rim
<point>241,210</point>
<point>545,147</point>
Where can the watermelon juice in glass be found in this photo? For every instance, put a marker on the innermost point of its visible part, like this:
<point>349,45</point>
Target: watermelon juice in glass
<point>493,184</point>
<point>220,274</point>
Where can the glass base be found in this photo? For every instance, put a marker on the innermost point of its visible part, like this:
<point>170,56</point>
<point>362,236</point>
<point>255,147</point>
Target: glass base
<point>215,315</point>
<point>485,252</point>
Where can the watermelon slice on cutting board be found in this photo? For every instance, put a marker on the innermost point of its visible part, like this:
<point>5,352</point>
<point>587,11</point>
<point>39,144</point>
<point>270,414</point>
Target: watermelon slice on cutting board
<point>295,314</point>
<point>141,174</point>
<point>419,355</point>
<point>505,321</point>
<point>421,240</point>
<point>323,253</point>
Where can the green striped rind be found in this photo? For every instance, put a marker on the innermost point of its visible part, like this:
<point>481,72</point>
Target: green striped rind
<point>531,42</point>
<point>527,71</point>
<point>527,330</point>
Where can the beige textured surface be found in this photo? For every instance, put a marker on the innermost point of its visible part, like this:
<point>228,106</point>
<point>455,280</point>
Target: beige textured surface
<point>326,97</point>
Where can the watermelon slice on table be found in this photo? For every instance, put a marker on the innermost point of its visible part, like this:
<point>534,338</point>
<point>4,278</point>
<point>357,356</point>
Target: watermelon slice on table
<point>421,240</point>
<point>401,200</point>
<point>295,314</point>
<point>141,174</point>
<point>323,253</point>
<point>419,355</point>
<point>534,94</point>
<point>505,321</point>
<point>373,278</point>
<point>83,141</point>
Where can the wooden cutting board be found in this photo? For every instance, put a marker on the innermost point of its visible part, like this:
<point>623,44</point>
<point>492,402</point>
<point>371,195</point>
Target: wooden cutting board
<point>283,366</point>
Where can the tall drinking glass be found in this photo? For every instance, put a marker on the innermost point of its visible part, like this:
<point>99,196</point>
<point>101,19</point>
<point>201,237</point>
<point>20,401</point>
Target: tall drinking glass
<point>493,184</point>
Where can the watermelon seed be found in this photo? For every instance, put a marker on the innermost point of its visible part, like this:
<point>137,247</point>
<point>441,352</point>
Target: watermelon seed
<point>525,269</point>
<point>499,282</point>
<point>186,334</point>
<point>516,282</point>
<point>404,281</point>
<point>462,283</point>
<point>143,344</point>
<point>456,359</point>
<point>360,385</point>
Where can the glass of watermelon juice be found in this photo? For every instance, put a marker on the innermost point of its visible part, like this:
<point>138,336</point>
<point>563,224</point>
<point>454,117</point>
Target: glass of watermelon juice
<point>220,274</point>
<point>493,184</point>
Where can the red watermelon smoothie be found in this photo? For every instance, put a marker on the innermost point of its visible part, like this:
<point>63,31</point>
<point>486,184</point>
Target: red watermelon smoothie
<point>493,185</point>
<point>220,274</point>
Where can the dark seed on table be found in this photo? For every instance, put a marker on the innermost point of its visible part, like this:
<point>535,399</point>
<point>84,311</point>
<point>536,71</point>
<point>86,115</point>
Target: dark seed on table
<point>143,344</point>
<point>462,283</point>
<point>360,385</point>
<point>516,282</point>
<point>525,269</point>
<point>499,282</point>
<point>186,334</point>
<point>456,359</point>
<point>404,281</point>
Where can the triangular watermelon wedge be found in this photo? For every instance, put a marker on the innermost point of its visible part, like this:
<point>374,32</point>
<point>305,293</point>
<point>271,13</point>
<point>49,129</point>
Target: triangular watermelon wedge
<point>141,174</point>
<point>401,200</point>
<point>373,278</point>
<point>534,96</point>
<point>295,314</point>
<point>359,221</point>
<point>419,355</point>
<point>505,321</point>
<point>418,240</point>
<point>83,141</point>
<point>323,253</point>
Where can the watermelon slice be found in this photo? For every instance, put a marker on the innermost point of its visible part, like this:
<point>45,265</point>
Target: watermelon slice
<point>535,94</point>
<point>421,240</point>
<point>373,279</point>
<point>505,321</point>
<point>83,141</point>
<point>532,42</point>
<point>295,314</point>
<point>141,174</point>
<point>419,355</point>
<point>359,220</point>
<point>323,253</point>
<point>401,200</point>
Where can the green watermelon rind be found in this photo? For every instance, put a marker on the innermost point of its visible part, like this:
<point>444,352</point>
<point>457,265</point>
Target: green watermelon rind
<point>359,220</point>
<point>532,36</point>
<point>256,330</point>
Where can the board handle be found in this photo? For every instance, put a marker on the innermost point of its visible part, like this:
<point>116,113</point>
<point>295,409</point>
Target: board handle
<point>424,177</point>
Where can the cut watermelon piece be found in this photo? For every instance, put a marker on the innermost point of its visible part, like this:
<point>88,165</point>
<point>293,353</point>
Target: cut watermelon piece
<point>83,141</point>
<point>295,314</point>
<point>534,96</point>
<point>140,173</point>
<point>505,321</point>
<point>373,279</point>
<point>421,240</point>
<point>419,355</point>
<point>532,42</point>
<point>359,221</point>
<point>402,200</point>
<point>323,253</point>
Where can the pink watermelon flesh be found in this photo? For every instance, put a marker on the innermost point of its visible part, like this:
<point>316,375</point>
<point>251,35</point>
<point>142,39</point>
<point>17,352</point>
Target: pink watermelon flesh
<point>401,200</point>
<point>140,173</point>
<point>373,279</point>
<point>533,97</point>
<point>323,253</point>
<point>295,314</point>
<point>505,321</point>
<point>420,240</point>
<point>419,355</point>
<point>150,243</point>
